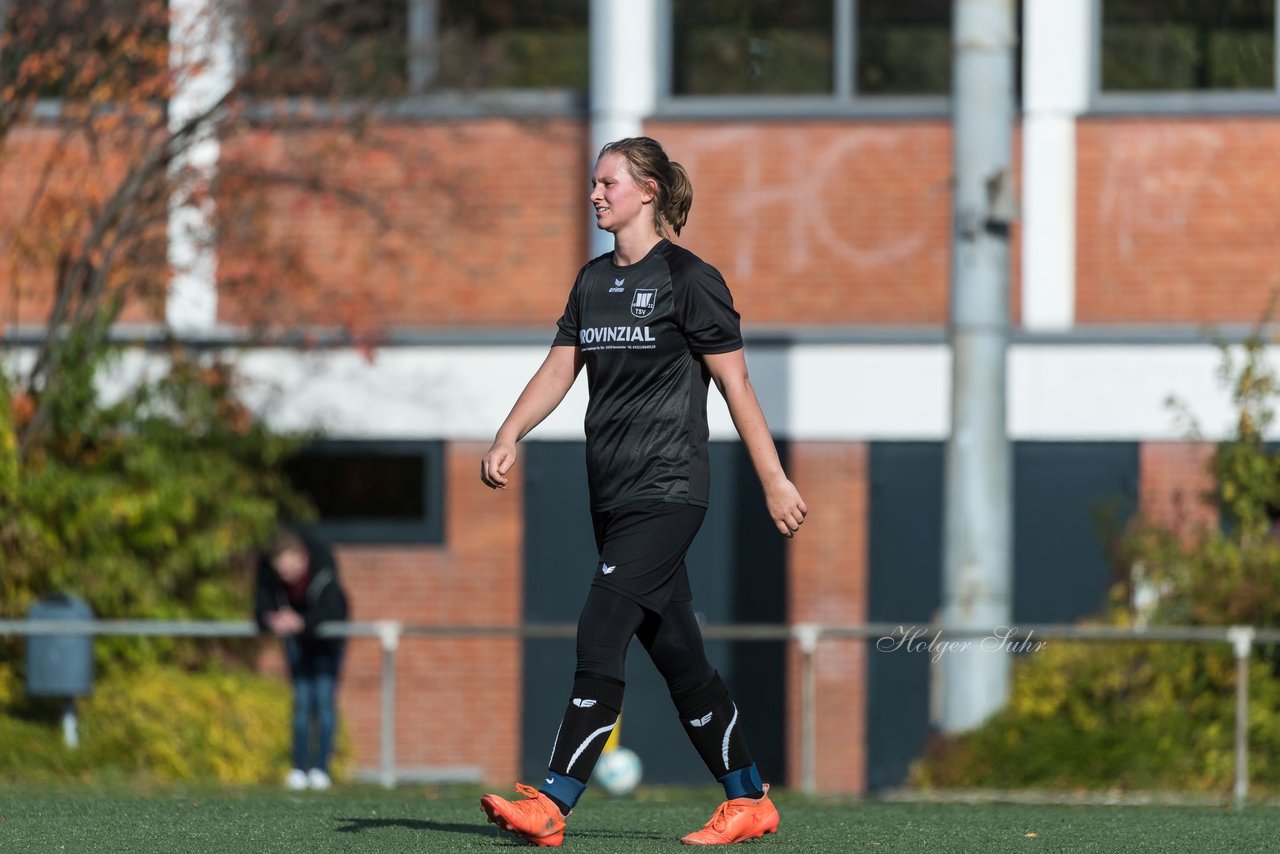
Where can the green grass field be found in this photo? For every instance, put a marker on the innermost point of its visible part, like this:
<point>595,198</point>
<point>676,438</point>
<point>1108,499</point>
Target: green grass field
<point>370,820</point>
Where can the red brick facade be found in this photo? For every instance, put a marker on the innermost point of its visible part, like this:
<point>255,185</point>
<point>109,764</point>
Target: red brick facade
<point>1174,479</point>
<point>1177,219</point>
<point>814,223</point>
<point>827,579</point>
<point>453,694</point>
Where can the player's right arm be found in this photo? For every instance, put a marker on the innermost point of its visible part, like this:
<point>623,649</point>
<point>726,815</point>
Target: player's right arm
<point>538,400</point>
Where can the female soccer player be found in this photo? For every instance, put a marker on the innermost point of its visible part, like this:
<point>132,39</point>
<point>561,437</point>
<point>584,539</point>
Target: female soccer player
<point>653,324</point>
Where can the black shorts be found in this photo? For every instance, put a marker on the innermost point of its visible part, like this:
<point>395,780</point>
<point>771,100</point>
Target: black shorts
<point>642,548</point>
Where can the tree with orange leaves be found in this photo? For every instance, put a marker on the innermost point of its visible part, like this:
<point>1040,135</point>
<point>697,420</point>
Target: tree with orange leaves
<point>111,116</point>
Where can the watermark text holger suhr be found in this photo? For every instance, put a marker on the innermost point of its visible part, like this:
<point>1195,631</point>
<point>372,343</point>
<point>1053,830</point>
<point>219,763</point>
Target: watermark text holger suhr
<point>930,640</point>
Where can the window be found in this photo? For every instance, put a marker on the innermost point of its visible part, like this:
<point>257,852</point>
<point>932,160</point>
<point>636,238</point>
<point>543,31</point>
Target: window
<point>340,48</point>
<point>752,47</point>
<point>326,47</point>
<point>884,55</point>
<point>904,48</point>
<point>369,492</point>
<point>1188,45</point>
<point>521,44</point>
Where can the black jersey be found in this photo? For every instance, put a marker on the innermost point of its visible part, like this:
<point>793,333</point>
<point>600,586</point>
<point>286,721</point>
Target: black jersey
<point>641,330</point>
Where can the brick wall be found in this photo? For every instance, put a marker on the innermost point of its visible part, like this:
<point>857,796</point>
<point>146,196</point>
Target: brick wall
<point>1177,219</point>
<point>484,221</point>
<point>1174,477</point>
<point>481,222</point>
<point>458,699</point>
<point>811,222</point>
<point>827,570</point>
<point>44,210</point>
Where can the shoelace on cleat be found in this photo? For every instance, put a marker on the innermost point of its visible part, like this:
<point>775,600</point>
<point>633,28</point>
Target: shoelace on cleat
<point>721,819</point>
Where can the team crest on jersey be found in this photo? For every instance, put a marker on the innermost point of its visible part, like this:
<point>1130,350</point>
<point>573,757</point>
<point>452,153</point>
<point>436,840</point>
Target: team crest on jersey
<point>643,301</point>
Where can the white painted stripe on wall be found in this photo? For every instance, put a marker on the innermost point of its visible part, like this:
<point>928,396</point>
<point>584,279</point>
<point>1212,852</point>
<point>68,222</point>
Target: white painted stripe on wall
<point>809,392</point>
<point>1057,46</point>
<point>1048,222</point>
<point>1102,392</point>
<point>203,64</point>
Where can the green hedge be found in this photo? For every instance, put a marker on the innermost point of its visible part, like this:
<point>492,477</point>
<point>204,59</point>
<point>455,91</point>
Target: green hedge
<point>1137,716</point>
<point>158,724</point>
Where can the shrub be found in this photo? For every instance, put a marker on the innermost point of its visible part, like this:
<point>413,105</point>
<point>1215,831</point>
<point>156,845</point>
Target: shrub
<point>1129,716</point>
<point>1156,715</point>
<point>161,724</point>
<point>143,506</point>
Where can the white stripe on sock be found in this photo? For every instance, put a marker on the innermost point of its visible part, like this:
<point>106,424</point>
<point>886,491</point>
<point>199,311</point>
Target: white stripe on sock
<point>586,741</point>
<point>554,743</point>
<point>724,747</point>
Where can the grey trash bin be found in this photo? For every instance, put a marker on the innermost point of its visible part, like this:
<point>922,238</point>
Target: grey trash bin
<point>59,665</point>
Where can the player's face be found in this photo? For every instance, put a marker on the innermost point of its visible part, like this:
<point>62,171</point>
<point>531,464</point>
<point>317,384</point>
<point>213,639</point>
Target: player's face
<point>291,564</point>
<point>618,200</point>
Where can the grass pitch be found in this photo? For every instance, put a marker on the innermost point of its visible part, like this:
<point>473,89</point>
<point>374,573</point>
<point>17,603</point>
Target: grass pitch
<point>370,820</point>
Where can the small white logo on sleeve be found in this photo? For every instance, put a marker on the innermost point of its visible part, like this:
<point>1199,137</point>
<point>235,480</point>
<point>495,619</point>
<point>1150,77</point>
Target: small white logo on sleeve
<point>606,569</point>
<point>702,721</point>
<point>550,780</point>
<point>583,704</point>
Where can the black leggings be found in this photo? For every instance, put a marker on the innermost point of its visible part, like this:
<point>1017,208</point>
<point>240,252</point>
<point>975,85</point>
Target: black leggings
<point>672,639</point>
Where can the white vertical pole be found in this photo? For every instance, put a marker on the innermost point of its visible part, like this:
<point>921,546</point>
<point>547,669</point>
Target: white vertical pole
<point>202,60</point>
<point>624,81</point>
<point>807,636</point>
<point>70,732</point>
<point>389,638</point>
<point>1241,638</point>
<point>1057,46</point>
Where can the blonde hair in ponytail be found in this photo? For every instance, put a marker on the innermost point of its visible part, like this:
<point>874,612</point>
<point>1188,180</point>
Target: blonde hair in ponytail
<point>673,192</point>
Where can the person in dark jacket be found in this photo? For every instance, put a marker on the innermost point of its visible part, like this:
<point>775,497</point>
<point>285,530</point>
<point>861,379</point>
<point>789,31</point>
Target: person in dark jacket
<point>297,590</point>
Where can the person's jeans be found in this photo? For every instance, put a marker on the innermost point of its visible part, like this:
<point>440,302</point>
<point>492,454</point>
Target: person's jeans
<point>315,678</point>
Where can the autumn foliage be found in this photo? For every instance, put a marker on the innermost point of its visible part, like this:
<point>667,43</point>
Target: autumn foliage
<point>141,498</point>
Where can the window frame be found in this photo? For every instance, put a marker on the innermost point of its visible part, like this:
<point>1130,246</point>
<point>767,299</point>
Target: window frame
<point>844,99</point>
<point>1180,101</point>
<point>428,530</point>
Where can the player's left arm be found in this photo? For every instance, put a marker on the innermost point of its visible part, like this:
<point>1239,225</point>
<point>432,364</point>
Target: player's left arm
<point>786,507</point>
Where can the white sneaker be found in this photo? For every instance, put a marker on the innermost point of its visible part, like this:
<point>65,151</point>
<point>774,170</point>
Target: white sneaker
<point>296,780</point>
<point>319,780</point>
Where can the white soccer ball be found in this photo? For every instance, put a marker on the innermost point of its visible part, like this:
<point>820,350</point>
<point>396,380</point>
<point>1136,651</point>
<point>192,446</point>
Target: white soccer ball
<point>619,771</point>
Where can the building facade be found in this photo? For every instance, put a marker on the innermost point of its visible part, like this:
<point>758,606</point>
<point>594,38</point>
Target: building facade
<point>1148,167</point>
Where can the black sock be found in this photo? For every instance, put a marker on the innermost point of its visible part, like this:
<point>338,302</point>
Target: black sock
<point>710,719</point>
<point>564,808</point>
<point>588,719</point>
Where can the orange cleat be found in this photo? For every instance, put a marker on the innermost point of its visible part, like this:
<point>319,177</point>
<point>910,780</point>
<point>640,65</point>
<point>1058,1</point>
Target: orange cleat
<point>536,820</point>
<point>737,821</point>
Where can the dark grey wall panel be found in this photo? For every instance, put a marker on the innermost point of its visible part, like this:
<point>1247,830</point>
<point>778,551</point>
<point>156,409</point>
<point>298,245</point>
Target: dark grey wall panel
<point>904,560</point>
<point>737,568</point>
<point>1062,492</point>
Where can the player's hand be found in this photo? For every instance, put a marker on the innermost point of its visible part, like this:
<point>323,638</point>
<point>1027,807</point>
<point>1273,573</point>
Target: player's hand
<point>496,463</point>
<point>786,508</point>
<point>285,621</point>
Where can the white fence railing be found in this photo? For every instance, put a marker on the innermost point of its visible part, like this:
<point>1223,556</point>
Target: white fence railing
<point>806,637</point>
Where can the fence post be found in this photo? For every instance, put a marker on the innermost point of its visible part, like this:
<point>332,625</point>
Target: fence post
<point>1241,638</point>
<point>807,635</point>
<point>389,635</point>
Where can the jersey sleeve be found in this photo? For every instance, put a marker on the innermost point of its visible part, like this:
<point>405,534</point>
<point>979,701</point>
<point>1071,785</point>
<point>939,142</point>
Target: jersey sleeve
<point>705,311</point>
<point>567,325</point>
